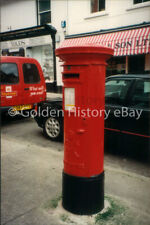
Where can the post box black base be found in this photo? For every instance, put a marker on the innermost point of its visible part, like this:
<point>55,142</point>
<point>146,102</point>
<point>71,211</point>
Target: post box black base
<point>83,196</point>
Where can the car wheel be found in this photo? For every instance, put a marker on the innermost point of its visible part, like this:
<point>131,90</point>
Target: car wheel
<point>53,129</point>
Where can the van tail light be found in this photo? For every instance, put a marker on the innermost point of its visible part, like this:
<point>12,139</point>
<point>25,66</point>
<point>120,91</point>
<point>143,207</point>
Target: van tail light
<point>35,107</point>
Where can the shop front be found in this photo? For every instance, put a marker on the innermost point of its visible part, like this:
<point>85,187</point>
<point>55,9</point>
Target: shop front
<point>37,42</point>
<point>131,47</point>
<point>39,48</point>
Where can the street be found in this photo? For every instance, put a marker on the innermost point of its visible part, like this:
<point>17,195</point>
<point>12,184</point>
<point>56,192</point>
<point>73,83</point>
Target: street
<point>31,176</point>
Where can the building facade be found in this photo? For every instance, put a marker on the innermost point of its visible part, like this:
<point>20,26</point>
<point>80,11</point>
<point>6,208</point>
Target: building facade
<point>30,14</point>
<point>121,24</point>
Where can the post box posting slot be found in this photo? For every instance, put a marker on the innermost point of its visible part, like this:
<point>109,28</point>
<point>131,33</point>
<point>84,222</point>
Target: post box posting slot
<point>71,76</point>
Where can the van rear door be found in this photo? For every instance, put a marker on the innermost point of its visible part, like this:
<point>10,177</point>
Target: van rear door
<point>10,84</point>
<point>34,83</point>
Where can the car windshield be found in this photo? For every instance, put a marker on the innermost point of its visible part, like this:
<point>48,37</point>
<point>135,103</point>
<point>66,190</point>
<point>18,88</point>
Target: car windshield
<point>116,90</point>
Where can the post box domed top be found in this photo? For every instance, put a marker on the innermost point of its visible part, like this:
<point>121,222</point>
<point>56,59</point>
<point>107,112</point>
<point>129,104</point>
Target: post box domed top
<point>85,54</point>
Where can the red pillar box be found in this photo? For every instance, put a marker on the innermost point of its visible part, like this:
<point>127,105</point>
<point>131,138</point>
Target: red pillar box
<point>84,103</point>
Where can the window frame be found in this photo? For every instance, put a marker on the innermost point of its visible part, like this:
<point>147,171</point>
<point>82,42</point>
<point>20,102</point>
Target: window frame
<point>17,72</point>
<point>141,1</point>
<point>98,11</point>
<point>43,12</point>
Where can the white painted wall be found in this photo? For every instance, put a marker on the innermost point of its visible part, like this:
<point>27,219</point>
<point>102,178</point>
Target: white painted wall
<point>59,13</point>
<point>118,13</point>
<point>17,14</point>
<point>77,14</point>
<point>22,14</point>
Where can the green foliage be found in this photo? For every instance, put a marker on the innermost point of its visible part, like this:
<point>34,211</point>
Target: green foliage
<point>53,203</point>
<point>64,217</point>
<point>113,213</point>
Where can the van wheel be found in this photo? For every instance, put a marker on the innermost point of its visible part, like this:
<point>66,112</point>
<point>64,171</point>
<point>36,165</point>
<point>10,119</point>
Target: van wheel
<point>53,129</point>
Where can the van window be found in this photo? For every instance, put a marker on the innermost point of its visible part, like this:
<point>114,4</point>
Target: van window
<point>8,73</point>
<point>30,73</point>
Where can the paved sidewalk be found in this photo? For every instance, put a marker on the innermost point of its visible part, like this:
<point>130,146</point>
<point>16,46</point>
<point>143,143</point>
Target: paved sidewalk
<point>31,177</point>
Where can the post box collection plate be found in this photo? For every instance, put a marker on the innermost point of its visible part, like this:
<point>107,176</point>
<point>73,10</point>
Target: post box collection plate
<point>69,98</point>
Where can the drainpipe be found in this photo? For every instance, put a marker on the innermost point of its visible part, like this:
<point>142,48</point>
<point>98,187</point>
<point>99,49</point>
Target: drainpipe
<point>37,12</point>
<point>54,58</point>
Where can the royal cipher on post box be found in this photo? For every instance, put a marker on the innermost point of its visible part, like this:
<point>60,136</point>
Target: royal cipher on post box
<point>83,103</point>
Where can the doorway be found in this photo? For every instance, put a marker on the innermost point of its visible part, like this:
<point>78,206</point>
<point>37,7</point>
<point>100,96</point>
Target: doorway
<point>136,64</point>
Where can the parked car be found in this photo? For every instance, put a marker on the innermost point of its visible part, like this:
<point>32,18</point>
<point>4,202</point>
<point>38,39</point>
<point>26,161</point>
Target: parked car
<point>22,83</point>
<point>52,123</point>
<point>127,128</point>
<point>127,123</point>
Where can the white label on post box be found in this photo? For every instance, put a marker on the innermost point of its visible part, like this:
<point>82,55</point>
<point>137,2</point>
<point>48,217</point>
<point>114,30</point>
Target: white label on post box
<point>69,98</point>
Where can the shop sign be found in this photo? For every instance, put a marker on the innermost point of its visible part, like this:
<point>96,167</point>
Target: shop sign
<point>126,44</point>
<point>19,43</point>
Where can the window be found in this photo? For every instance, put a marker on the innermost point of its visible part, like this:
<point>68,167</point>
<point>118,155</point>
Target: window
<point>44,11</point>
<point>97,5</point>
<point>8,73</point>
<point>140,1</point>
<point>141,95</point>
<point>30,73</point>
<point>116,91</point>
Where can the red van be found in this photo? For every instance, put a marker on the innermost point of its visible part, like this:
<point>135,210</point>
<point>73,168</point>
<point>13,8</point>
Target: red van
<point>22,83</point>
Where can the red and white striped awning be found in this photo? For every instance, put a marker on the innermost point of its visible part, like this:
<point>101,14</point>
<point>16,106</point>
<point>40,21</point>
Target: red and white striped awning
<point>128,42</point>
